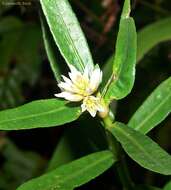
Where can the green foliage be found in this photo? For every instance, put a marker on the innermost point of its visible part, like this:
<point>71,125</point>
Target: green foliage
<point>50,51</point>
<point>40,113</point>
<point>74,174</point>
<point>142,149</point>
<point>67,33</point>
<point>153,34</point>
<point>154,110</point>
<point>167,186</point>
<point>88,136</point>
<point>19,166</point>
<point>122,79</point>
<point>18,64</point>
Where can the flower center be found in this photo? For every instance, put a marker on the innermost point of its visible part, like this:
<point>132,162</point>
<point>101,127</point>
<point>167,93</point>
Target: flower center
<point>82,84</point>
<point>91,102</point>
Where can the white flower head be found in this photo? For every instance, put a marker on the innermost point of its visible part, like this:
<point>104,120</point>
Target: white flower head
<point>81,86</point>
<point>92,104</point>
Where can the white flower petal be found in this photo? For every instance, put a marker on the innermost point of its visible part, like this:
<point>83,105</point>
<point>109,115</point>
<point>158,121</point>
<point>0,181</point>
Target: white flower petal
<point>73,69</point>
<point>74,73</point>
<point>95,79</point>
<point>68,87</point>
<point>65,86</point>
<point>91,104</point>
<point>67,80</point>
<point>69,96</point>
<point>92,112</point>
<point>100,108</point>
<point>83,107</point>
<point>88,71</point>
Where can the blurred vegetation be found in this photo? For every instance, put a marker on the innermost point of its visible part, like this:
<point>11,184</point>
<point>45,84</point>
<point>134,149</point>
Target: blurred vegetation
<point>25,75</point>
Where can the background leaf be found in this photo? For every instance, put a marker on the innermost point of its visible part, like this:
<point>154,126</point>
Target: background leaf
<point>74,174</point>
<point>18,64</point>
<point>40,113</point>
<point>154,109</point>
<point>67,33</point>
<point>18,165</point>
<point>142,149</point>
<point>153,34</point>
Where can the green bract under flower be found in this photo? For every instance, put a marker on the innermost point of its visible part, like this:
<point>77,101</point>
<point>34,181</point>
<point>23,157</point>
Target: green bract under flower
<point>81,87</point>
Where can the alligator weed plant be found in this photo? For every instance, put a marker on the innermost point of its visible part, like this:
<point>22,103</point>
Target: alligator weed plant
<point>88,90</point>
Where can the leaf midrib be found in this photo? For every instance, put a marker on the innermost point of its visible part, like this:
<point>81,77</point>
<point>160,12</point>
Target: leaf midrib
<point>70,39</point>
<point>152,113</point>
<point>33,115</point>
<point>110,81</point>
<point>85,169</point>
<point>140,147</point>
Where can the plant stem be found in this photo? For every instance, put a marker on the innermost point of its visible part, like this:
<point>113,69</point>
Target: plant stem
<point>118,154</point>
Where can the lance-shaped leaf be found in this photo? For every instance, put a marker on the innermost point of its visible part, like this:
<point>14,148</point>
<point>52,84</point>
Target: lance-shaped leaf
<point>72,175</point>
<point>50,51</point>
<point>67,33</point>
<point>142,149</point>
<point>154,109</point>
<point>152,35</point>
<point>123,75</point>
<point>40,113</point>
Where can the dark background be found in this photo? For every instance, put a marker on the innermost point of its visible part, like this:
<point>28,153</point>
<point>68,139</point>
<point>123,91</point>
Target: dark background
<point>25,75</point>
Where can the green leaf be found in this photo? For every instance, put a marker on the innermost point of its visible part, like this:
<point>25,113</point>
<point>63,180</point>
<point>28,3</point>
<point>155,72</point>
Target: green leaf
<point>167,186</point>
<point>40,113</point>
<point>50,51</point>
<point>126,9</point>
<point>67,33</point>
<point>153,34</point>
<point>154,109</point>
<point>122,79</point>
<point>74,174</point>
<point>142,149</point>
<point>147,38</point>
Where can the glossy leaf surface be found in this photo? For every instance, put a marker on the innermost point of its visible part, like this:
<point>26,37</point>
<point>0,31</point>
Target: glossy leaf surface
<point>142,149</point>
<point>67,33</point>
<point>72,175</point>
<point>154,109</point>
<point>40,113</point>
<point>122,79</point>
